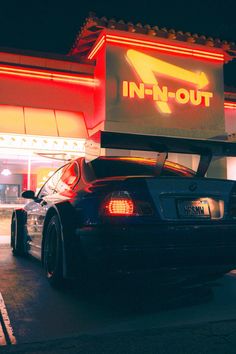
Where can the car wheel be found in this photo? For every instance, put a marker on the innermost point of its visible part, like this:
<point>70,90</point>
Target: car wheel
<point>52,255</point>
<point>18,240</point>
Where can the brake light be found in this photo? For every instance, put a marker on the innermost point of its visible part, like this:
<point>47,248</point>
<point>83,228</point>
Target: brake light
<point>124,206</point>
<point>120,203</point>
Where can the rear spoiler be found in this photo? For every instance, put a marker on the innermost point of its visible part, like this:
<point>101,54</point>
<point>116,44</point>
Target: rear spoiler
<point>162,144</point>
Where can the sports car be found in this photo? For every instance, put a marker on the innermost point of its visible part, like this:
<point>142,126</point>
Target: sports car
<point>124,214</point>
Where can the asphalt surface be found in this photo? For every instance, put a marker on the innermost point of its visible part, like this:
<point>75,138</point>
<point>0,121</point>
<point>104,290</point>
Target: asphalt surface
<point>128,316</point>
<point>218,338</point>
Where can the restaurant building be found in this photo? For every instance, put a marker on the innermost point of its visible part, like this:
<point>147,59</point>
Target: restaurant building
<point>118,77</point>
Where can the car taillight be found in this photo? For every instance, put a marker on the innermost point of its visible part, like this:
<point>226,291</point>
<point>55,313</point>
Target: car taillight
<point>122,206</point>
<point>120,203</point>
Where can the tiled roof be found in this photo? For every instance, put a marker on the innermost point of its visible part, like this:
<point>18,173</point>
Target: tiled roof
<point>230,93</point>
<point>94,25</point>
<point>230,89</point>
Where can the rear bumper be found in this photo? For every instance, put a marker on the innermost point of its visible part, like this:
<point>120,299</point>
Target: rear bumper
<point>145,248</point>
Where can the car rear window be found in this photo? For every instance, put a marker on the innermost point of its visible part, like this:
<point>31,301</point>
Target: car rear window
<point>128,166</point>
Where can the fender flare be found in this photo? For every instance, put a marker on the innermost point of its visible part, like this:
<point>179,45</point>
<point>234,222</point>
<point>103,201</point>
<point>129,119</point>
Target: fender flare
<point>67,217</point>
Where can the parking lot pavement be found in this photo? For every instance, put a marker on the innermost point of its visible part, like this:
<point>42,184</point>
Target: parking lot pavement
<point>108,315</point>
<point>215,338</point>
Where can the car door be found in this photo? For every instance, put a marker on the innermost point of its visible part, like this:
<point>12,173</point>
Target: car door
<point>57,189</point>
<point>37,209</point>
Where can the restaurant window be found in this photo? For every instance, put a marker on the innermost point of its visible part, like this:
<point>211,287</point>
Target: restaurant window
<point>19,172</point>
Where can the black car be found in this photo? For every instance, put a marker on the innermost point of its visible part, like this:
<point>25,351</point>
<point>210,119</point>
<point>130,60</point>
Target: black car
<point>131,215</point>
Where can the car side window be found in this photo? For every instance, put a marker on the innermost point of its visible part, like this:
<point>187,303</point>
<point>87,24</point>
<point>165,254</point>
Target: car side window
<point>69,177</point>
<point>50,186</point>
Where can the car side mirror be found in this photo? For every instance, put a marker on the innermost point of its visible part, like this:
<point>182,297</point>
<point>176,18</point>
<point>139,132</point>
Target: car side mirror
<point>28,194</point>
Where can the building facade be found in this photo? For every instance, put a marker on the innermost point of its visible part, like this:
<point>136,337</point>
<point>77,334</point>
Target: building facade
<point>118,77</point>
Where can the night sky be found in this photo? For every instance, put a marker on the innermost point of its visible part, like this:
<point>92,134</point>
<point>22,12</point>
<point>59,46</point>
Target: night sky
<point>51,26</point>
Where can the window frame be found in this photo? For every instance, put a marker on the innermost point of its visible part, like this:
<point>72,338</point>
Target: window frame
<point>43,186</point>
<point>74,162</point>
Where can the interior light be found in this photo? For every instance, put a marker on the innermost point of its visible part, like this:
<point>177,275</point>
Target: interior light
<point>6,172</point>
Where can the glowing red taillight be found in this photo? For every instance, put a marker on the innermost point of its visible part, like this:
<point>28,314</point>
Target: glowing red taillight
<point>121,203</point>
<point>119,206</point>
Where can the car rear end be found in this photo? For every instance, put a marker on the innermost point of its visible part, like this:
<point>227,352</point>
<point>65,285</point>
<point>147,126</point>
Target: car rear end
<point>169,223</point>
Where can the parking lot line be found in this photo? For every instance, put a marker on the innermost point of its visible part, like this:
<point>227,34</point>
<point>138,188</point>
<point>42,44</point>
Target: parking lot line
<point>2,337</point>
<point>6,331</point>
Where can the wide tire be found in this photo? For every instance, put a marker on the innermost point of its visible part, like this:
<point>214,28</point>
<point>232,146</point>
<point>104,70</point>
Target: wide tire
<point>52,253</point>
<point>18,238</point>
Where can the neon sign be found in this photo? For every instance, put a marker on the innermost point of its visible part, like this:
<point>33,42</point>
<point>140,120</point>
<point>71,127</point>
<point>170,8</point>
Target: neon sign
<point>148,67</point>
<point>162,94</point>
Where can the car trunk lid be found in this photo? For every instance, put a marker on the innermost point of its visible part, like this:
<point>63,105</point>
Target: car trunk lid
<point>200,199</point>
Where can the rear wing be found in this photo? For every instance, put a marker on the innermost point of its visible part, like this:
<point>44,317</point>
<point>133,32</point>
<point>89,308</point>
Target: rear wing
<point>161,144</point>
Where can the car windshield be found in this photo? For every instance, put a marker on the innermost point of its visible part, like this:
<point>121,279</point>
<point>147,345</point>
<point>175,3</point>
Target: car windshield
<point>105,167</point>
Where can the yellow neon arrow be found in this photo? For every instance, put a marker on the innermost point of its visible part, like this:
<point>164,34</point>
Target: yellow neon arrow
<point>146,66</point>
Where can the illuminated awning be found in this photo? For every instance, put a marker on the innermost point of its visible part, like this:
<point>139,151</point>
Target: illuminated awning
<point>42,122</point>
<point>42,145</point>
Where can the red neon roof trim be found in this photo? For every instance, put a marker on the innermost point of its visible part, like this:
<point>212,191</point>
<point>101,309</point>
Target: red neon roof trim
<point>164,45</point>
<point>230,105</point>
<point>97,47</point>
<point>40,74</point>
<point>168,48</point>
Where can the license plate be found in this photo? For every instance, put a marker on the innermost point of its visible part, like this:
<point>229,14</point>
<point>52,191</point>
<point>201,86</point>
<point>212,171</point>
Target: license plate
<point>193,208</point>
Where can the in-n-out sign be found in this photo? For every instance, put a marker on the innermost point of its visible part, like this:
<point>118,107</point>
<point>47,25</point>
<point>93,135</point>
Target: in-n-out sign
<point>147,67</point>
<point>162,95</point>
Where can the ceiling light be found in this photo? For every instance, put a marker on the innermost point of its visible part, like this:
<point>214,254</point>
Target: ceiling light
<point>6,172</point>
